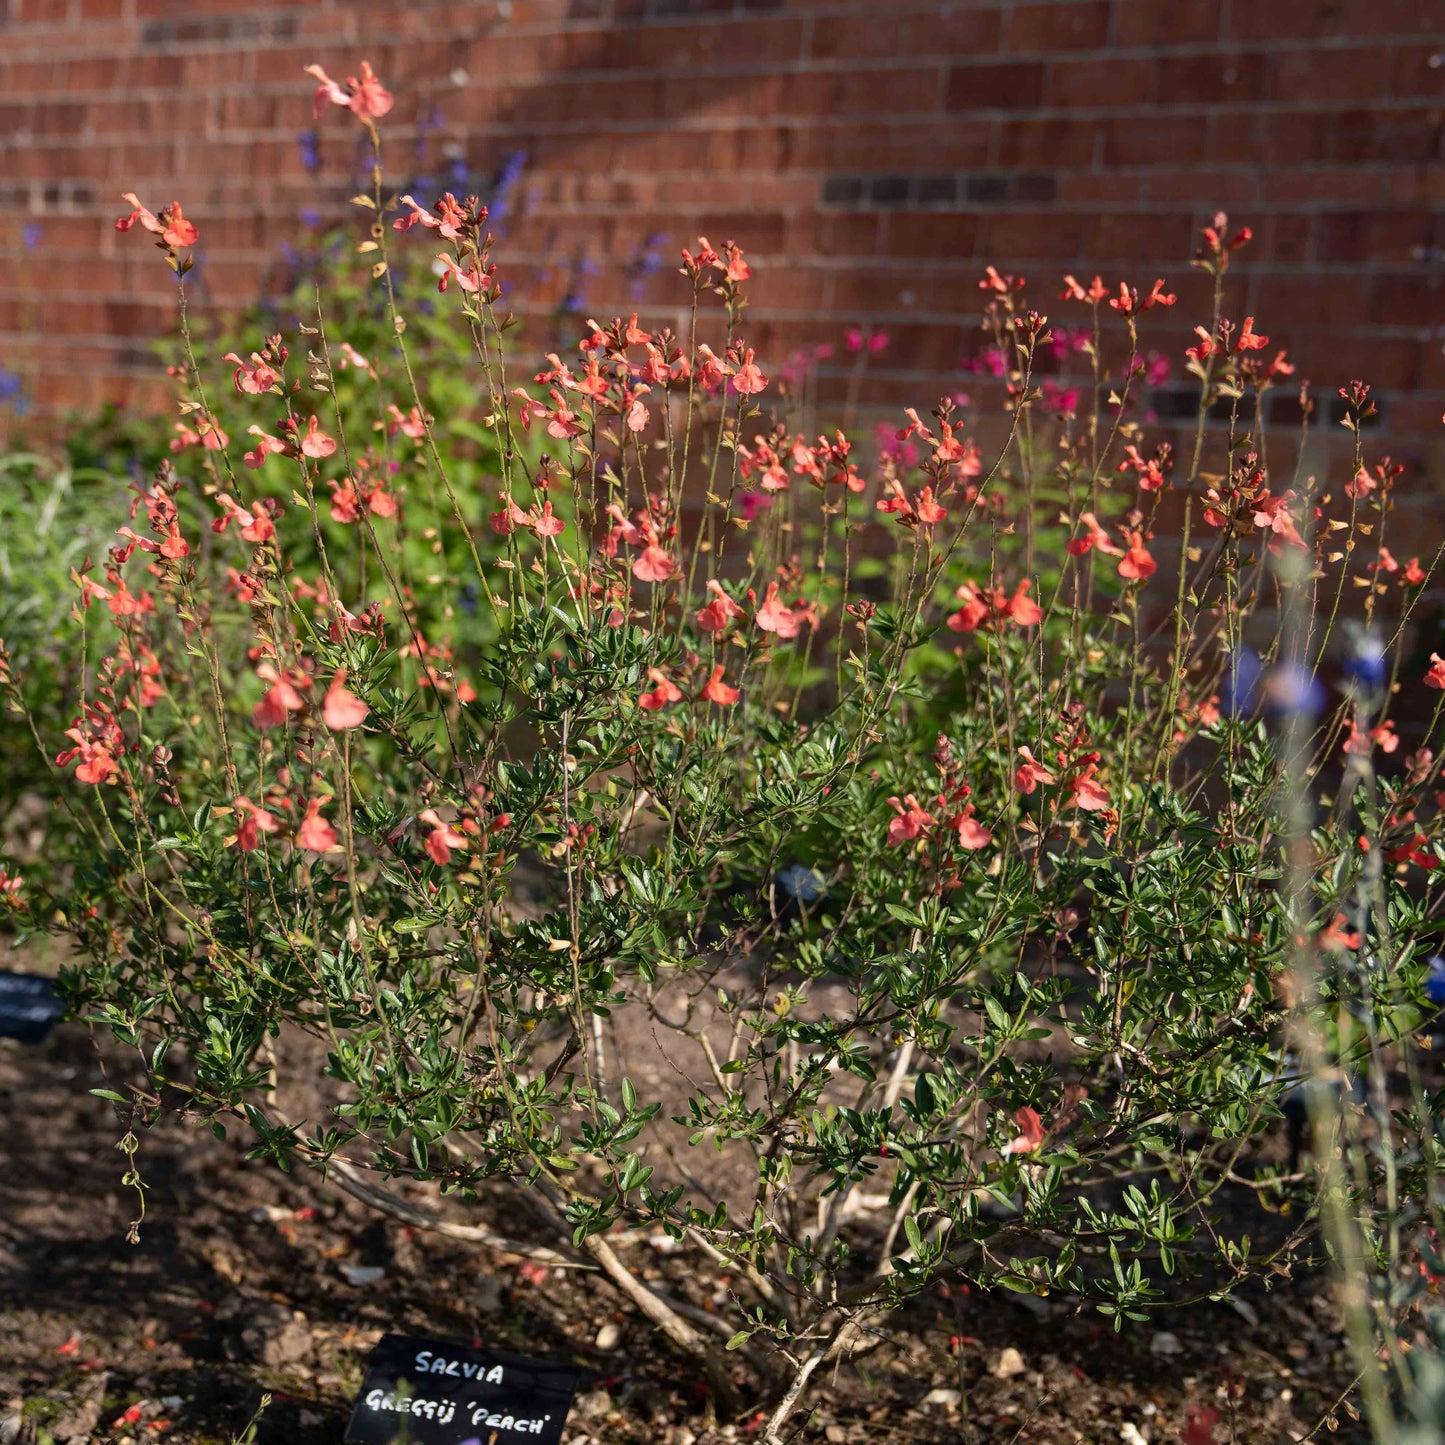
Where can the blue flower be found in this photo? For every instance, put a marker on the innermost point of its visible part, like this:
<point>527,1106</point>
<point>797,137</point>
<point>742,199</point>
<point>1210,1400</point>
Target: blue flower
<point>1293,690</point>
<point>1365,662</point>
<point>499,202</point>
<point>1435,981</point>
<point>800,882</point>
<point>1241,682</point>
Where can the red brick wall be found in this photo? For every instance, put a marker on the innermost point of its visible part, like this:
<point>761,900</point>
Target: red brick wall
<point>871,155</point>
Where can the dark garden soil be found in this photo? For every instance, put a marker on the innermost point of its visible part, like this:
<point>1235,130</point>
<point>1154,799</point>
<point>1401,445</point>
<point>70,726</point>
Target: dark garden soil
<point>246,1281</point>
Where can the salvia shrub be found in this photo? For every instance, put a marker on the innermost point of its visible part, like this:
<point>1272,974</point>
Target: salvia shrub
<point>847,868</point>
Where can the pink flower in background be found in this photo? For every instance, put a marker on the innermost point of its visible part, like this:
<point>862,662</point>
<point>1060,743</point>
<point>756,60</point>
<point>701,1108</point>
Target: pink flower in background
<point>367,98</point>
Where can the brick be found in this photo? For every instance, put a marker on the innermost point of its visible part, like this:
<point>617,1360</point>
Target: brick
<point>1082,25</point>
<point>1326,299</point>
<point>1416,186</point>
<point>1419,73</point>
<point>1390,135</point>
<point>761,44</point>
<point>1236,78</point>
<point>995,86</point>
<point>846,36</point>
<point>1305,137</point>
<point>1065,143</point>
<point>1155,140</point>
<point>1018,235</point>
<point>959,31</point>
<point>932,234</point>
<point>1281,239</point>
<point>870,158</point>
<point>893,92</point>
<point>1181,22</point>
<point>1357,73</point>
<point>792,289</point>
<point>1121,235</point>
<point>1111,84</point>
<point>1390,17</point>
<point>1387,364</point>
<point>933,144</point>
<point>1229,190</point>
<point>1321,187</point>
<point>1289,18</point>
<point>1402,300</point>
<point>1377,237</point>
<point>1102,189</point>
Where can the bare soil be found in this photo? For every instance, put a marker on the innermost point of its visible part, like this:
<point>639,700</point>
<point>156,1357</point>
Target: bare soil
<point>239,1287</point>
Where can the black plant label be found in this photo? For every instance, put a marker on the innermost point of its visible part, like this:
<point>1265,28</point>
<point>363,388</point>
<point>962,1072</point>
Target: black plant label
<point>434,1392</point>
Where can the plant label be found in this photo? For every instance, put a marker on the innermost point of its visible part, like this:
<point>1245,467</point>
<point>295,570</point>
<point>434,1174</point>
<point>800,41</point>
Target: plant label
<point>434,1392</point>
<point>28,1006</point>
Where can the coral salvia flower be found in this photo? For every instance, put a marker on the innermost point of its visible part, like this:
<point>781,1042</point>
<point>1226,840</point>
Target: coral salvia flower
<point>665,691</point>
<point>367,98</point>
<point>716,690</point>
<point>1074,290</point>
<point>911,821</point>
<point>316,443</point>
<point>1021,609</point>
<point>995,608</point>
<point>412,424</point>
<point>975,609</point>
<point>776,616</point>
<point>1086,792</point>
<point>470,278</point>
<point>1206,348</point>
<point>255,821</point>
<point>170,225</point>
<point>253,377</point>
<point>1031,1132</point>
<point>442,838</point>
<point>266,445</point>
<point>279,701</point>
<point>315,834</point>
<point>1136,564</point>
<point>749,379</point>
<point>1247,340</point>
<point>1093,536</point>
<point>341,708</point>
<point>652,564</point>
<point>98,741</point>
<point>972,835</point>
<point>548,525</point>
<point>1416,851</point>
<point>1339,936</point>
<point>720,611</point>
<point>1030,772</point>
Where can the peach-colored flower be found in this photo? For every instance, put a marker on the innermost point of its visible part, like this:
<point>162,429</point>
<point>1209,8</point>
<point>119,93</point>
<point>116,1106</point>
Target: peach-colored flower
<point>341,708</point>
